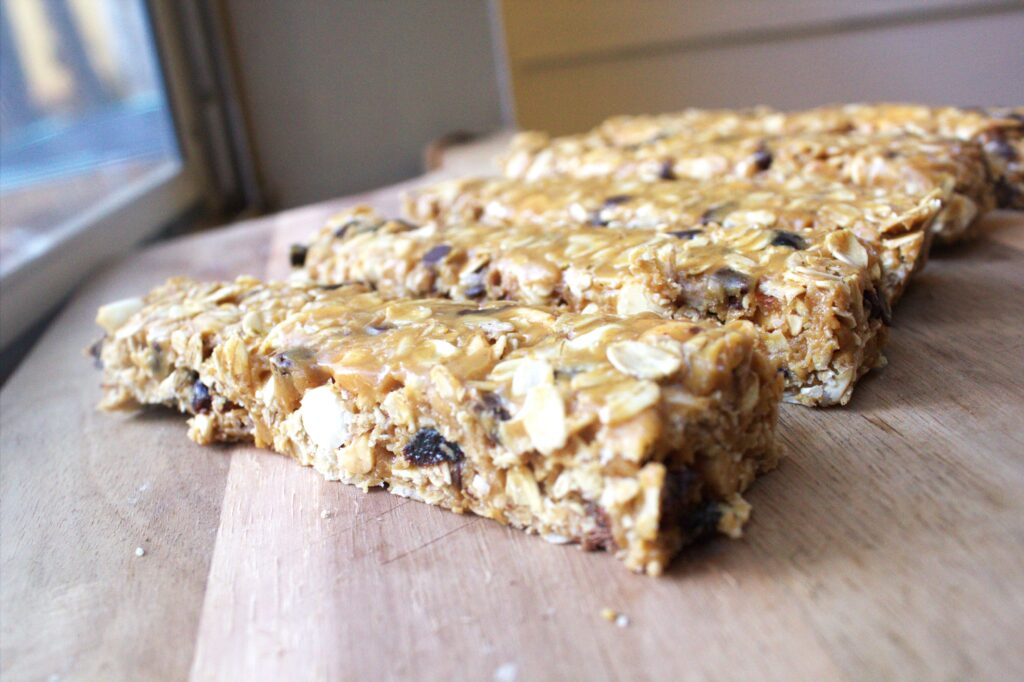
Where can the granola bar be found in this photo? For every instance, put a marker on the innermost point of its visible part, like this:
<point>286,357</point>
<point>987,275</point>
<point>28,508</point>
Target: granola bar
<point>899,225</point>
<point>633,434</point>
<point>813,294</point>
<point>905,164</point>
<point>999,131</point>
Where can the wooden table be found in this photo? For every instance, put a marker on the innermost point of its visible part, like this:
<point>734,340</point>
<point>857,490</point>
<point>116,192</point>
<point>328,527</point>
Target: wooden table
<point>889,544</point>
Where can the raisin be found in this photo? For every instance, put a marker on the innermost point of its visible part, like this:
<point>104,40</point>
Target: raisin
<point>995,143</point>
<point>358,225</point>
<point>686,234</point>
<point>790,239</point>
<point>297,255</point>
<point>469,310</point>
<point>667,170</point>
<point>406,225</point>
<point>288,361</point>
<point>735,284</point>
<point>96,351</point>
<point>595,219</point>
<point>717,214</point>
<point>600,536</point>
<point>1006,194</point>
<point>332,287</point>
<point>878,307</point>
<point>494,405</point>
<point>201,401</point>
<point>762,158</point>
<point>702,520</point>
<point>380,328</point>
<point>476,290</point>
<point>429,447</point>
<point>616,200</point>
<point>436,254</point>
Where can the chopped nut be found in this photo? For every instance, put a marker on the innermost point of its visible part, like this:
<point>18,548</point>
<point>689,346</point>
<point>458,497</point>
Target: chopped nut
<point>325,418</point>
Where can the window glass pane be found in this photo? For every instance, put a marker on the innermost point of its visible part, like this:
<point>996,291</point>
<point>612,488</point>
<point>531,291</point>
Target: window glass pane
<point>84,115</point>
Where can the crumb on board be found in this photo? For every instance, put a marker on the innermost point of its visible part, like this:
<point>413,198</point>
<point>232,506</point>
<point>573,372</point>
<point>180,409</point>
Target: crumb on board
<point>613,616</point>
<point>139,551</point>
<point>326,514</point>
<point>507,672</point>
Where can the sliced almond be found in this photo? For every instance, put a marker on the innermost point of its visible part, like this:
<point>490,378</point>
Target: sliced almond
<point>628,399</point>
<point>529,373</point>
<point>847,248</point>
<point>641,360</point>
<point>543,415</point>
<point>113,315</point>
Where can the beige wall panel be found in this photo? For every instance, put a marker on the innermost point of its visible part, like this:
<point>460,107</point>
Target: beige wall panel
<point>541,30</point>
<point>974,60</point>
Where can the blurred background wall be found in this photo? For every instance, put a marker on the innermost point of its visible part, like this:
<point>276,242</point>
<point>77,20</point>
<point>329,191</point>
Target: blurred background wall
<point>343,96</point>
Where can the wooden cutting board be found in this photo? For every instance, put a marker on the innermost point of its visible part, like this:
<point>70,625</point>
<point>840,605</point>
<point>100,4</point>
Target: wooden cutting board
<point>889,544</point>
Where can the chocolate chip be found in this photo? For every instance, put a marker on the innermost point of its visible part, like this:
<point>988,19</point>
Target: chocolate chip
<point>436,254</point>
<point>201,401</point>
<point>878,307</point>
<point>686,234</point>
<point>616,200</point>
<point>667,171</point>
<point>297,255</point>
<point>762,158</point>
<point>429,447</point>
<point>790,239</point>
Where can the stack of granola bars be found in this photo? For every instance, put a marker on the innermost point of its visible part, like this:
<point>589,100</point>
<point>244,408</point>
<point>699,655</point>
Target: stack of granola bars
<point>592,346</point>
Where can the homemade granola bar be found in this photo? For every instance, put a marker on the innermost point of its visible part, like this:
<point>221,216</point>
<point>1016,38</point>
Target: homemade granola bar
<point>798,211</point>
<point>632,434</point>
<point>906,164</point>
<point>999,131</point>
<point>813,294</point>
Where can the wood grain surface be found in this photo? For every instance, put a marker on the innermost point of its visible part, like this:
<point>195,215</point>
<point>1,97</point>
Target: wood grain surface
<point>888,545</point>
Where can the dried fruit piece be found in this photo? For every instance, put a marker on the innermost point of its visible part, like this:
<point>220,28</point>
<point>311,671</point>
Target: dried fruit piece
<point>297,255</point>
<point>201,401</point>
<point>428,447</point>
<point>790,239</point>
<point>436,254</point>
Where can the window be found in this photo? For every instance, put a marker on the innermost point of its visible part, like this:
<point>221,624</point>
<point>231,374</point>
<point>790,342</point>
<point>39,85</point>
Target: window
<point>85,117</point>
<point>117,119</point>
